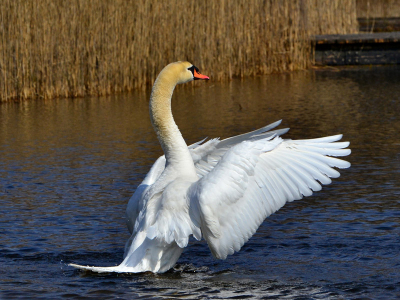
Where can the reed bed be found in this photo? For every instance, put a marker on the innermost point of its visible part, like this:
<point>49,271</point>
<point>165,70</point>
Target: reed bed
<point>55,48</point>
<point>378,8</point>
<point>332,17</point>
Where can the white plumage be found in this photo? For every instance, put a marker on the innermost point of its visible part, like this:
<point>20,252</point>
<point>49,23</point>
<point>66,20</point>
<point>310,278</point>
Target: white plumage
<point>219,190</point>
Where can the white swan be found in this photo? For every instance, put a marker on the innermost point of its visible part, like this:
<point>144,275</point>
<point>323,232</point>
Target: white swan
<point>221,190</point>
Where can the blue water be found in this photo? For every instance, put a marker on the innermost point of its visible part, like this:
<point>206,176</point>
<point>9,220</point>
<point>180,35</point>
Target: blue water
<point>68,168</point>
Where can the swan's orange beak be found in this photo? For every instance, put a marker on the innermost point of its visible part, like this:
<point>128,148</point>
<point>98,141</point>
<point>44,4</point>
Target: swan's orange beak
<point>199,76</point>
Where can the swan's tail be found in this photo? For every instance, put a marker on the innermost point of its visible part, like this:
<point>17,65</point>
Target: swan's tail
<point>141,255</point>
<point>96,269</point>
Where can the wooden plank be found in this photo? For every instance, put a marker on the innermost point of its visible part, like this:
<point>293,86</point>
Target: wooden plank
<point>343,58</point>
<point>379,24</point>
<point>381,37</point>
<point>358,49</point>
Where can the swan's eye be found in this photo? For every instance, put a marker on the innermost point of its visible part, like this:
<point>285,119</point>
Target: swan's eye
<point>193,68</point>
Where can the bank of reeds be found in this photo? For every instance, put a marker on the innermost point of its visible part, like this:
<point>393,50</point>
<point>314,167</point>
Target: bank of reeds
<point>378,9</point>
<point>55,48</point>
<point>332,17</point>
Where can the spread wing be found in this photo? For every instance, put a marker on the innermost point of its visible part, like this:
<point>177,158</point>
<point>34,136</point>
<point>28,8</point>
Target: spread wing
<point>255,178</point>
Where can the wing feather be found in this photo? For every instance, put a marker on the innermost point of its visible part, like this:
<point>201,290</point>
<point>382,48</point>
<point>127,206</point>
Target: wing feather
<point>255,178</point>
<point>229,142</point>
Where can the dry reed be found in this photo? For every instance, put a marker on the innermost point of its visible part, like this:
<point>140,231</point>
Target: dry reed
<point>332,17</point>
<point>378,9</point>
<point>55,48</point>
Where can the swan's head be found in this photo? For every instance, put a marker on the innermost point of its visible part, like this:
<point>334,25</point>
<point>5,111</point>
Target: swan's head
<point>183,71</point>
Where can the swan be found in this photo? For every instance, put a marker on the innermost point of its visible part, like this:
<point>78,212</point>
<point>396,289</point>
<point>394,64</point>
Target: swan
<point>221,190</point>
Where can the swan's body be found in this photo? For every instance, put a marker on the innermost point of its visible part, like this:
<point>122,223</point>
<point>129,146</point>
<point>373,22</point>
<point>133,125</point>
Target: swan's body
<point>219,190</point>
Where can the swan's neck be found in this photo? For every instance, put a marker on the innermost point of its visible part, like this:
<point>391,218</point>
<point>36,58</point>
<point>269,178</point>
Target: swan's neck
<point>175,149</point>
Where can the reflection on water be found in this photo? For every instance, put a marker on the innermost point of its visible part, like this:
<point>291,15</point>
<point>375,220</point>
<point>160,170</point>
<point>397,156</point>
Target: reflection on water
<point>68,168</point>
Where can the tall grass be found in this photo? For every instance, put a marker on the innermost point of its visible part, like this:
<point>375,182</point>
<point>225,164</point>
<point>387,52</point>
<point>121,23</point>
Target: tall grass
<point>55,48</point>
<point>378,8</point>
<point>332,17</point>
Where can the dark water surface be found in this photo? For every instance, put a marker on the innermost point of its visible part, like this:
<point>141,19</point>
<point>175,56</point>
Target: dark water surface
<point>68,168</point>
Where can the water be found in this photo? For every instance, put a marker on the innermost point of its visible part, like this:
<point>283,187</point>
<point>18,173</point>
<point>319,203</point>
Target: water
<point>68,168</point>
